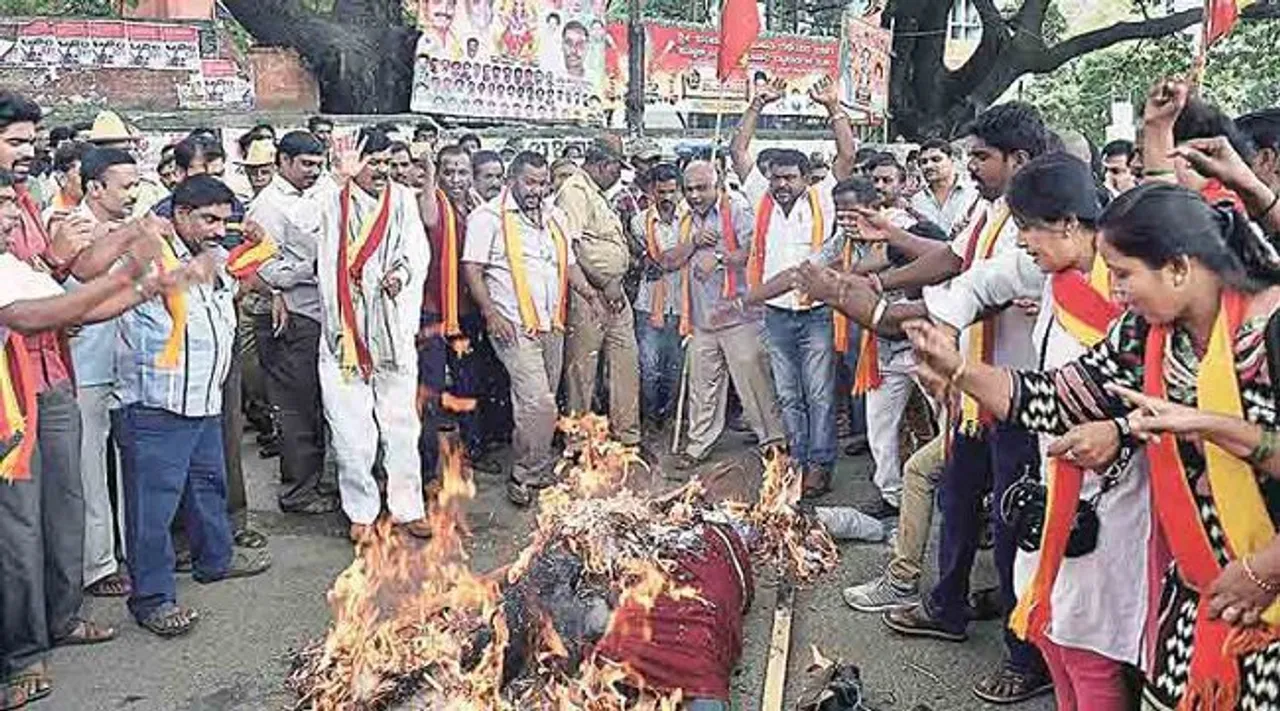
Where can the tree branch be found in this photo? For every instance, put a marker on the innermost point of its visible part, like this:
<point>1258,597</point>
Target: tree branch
<point>1071,48</point>
<point>1030,16</point>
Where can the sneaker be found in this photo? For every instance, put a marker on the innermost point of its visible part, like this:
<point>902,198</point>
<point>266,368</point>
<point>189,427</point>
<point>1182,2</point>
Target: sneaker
<point>880,595</point>
<point>917,621</point>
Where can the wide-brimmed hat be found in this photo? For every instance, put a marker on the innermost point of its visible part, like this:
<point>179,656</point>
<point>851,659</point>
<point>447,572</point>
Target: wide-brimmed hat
<point>108,127</point>
<point>261,152</point>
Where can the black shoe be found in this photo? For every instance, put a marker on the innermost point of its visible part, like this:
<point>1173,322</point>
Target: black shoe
<point>270,450</point>
<point>858,445</point>
<point>881,509</point>
<point>320,505</point>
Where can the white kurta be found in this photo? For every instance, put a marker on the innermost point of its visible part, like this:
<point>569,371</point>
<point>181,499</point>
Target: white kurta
<point>361,414</point>
<point>1100,599</point>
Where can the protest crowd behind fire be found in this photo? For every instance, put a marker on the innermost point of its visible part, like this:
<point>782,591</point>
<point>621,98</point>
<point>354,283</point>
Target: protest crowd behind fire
<point>1070,353</point>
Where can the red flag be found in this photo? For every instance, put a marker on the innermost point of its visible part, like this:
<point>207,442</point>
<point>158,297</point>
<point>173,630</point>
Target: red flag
<point>739,28</point>
<point>1219,17</point>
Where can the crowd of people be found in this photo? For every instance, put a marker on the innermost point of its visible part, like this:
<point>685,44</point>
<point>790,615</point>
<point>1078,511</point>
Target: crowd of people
<point>1091,331</point>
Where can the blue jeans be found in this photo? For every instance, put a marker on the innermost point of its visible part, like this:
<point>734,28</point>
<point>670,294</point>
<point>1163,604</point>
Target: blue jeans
<point>170,459</point>
<point>990,462</point>
<point>660,362</point>
<point>804,373</point>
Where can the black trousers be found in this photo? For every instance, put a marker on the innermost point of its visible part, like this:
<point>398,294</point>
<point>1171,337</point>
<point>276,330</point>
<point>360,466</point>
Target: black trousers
<point>289,362</point>
<point>42,538</point>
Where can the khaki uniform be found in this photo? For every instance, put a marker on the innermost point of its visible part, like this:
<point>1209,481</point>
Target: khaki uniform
<point>603,255</point>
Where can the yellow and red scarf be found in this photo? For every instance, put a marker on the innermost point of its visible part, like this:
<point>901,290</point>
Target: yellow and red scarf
<point>352,256</point>
<point>1084,309</point>
<point>730,288</point>
<point>764,214</point>
<point>175,302</point>
<point>1213,682</point>
<point>448,266</point>
<point>244,259</point>
<point>982,335</point>
<point>17,410</point>
<point>520,280</point>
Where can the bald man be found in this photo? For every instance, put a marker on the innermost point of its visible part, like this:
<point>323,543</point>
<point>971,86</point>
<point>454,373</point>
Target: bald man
<point>714,245</point>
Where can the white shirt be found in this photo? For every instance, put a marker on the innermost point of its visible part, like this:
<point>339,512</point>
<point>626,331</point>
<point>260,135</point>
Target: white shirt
<point>485,245</point>
<point>789,240</point>
<point>1099,600</point>
<point>952,211</point>
<point>388,323</point>
<point>1013,346</point>
<point>19,282</point>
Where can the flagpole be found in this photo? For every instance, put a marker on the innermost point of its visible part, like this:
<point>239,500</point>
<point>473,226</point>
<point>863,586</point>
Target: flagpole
<point>715,143</point>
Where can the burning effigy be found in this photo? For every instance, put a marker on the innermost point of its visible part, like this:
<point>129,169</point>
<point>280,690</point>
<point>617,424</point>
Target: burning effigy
<point>622,599</point>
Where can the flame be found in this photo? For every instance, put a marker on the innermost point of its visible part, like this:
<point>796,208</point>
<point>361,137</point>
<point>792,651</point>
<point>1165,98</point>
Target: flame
<point>413,623</point>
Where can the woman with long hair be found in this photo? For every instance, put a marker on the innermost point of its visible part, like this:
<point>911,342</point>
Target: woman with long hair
<point>1186,369</point>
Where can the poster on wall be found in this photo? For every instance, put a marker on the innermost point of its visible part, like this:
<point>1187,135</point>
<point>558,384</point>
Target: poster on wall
<point>536,60</point>
<point>680,63</point>
<point>220,84</point>
<point>864,65</point>
<point>71,44</point>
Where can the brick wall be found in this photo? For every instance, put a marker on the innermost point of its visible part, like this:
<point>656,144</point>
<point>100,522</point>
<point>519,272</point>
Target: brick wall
<point>135,89</point>
<point>282,82</point>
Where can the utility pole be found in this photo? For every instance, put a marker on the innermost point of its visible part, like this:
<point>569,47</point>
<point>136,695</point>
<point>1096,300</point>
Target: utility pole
<point>635,69</point>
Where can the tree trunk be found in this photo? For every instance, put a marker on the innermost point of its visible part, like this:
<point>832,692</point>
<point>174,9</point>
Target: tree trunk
<point>362,56</point>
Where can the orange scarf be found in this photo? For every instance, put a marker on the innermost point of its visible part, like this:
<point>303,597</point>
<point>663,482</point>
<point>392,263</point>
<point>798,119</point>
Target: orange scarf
<point>520,280</point>
<point>449,266</point>
<point>355,352</point>
<point>17,410</point>
<point>764,214</point>
<point>658,291</point>
<point>245,258</point>
<point>1213,682</point>
<point>1084,309</point>
<point>730,288</point>
<point>175,302</point>
<point>840,322</point>
<point>982,335</point>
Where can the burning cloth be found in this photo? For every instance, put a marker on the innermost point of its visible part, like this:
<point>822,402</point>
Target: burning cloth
<point>621,601</point>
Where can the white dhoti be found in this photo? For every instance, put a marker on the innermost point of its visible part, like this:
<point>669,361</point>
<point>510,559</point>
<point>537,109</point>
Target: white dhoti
<point>362,415</point>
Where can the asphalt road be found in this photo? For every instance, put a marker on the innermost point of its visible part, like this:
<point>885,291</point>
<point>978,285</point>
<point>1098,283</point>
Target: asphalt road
<point>238,656</point>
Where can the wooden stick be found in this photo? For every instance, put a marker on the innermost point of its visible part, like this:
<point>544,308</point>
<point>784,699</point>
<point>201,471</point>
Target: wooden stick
<point>775,675</point>
<point>684,392</point>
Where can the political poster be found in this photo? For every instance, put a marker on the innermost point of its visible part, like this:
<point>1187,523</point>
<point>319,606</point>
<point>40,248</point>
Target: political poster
<point>79,44</point>
<point>864,65</point>
<point>680,72</point>
<point>220,85</point>
<point>537,60</point>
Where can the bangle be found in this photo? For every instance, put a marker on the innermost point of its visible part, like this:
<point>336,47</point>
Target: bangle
<point>1157,172</point>
<point>1268,587</point>
<point>1267,445</point>
<point>958,372</point>
<point>1274,201</point>
<point>876,283</point>
<point>876,315</point>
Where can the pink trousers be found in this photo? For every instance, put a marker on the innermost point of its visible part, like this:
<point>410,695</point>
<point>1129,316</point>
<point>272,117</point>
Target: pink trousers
<point>1084,680</point>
